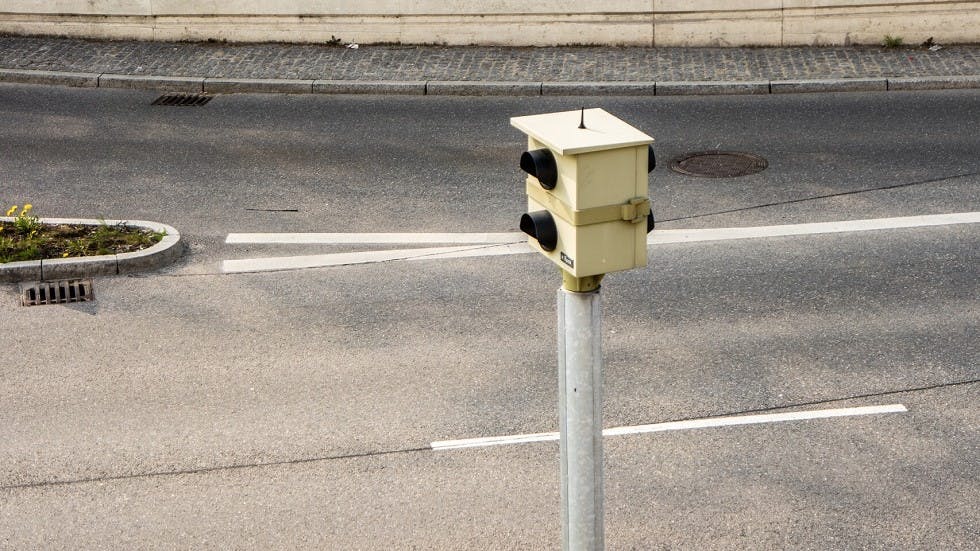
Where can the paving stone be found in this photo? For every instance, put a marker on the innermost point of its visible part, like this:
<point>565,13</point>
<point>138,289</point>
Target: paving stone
<point>383,63</point>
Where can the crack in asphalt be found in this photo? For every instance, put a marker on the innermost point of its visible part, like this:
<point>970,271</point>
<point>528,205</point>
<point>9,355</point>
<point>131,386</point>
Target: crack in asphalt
<point>218,468</point>
<point>828,196</point>
<point>234,466</point>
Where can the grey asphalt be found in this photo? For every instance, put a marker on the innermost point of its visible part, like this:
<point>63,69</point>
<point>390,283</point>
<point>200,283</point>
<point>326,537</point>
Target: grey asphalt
<point>223,68</point>
<point>188,408</point>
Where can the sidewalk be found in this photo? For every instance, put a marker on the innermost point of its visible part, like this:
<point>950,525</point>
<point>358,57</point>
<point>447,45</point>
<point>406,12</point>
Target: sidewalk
<point>441,69</point>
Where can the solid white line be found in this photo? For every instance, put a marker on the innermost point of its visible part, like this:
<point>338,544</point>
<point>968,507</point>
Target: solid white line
<point>493,250</point>
<point>335,259</point>
<point>757,419</point>
<point>514,243</point>
<point>660,237</point>
<point>374,238</point>
<point>676,425</point>
<point>657,237</point>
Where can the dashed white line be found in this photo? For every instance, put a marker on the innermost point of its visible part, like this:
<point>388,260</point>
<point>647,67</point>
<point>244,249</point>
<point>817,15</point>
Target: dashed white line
<point>710,422</point>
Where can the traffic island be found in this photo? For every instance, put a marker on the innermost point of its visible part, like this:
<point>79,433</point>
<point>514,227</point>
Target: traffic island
<point>75,260</point>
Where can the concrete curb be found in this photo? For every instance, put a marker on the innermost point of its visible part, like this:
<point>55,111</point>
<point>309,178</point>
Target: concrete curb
<point>711,88</point>
<point>829,85</point>
<point>164,84</point>
<point>598,88</point>
<point>478,88</point>
<point>157,256</point>
<point>55,78</point>
<point>257,85</point>
<point>482,88</point>
<point>408,87</point>
<point>934,83</point>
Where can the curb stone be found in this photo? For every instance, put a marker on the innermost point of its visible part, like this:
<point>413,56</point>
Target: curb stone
<point>829,85</point>
<point>934,83</point>
<point>83,266</point>
<point>164,84</point>
<point>412,87</point>
<point>697,88</point>
<point>53,78</point>
<point>166,251</point>
<point>27,270</point>
<point>483,88</point>
<point>557,88</point>
<point>264,86</point>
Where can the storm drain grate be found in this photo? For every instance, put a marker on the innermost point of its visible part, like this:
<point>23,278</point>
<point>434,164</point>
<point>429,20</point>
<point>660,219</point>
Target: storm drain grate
<point>56,292</point>
<point>718,164</point>
<point>182,100</point>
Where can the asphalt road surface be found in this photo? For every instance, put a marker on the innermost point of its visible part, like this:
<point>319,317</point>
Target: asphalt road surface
<point>193,408</point>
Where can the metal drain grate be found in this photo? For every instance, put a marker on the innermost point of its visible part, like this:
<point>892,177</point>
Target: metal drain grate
<point>182,100</point>
<point>56,292</point>
<point>718,164</point>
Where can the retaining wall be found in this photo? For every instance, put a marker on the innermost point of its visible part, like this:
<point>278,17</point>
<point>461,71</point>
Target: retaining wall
<point>503,22</point>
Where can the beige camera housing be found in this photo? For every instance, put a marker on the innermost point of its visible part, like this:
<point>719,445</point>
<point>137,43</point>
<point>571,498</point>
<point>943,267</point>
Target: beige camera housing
<point>599,201</point>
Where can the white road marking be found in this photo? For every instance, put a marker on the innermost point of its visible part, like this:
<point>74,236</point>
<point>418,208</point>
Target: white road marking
<point>660,237</point>
<point>710,422</point>
<point>493,250</point>
<point>373,238</point>
<point>515,243</point>
<point>343,259</point>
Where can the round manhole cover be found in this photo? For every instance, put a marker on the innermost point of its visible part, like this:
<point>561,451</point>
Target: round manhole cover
<point>718,164</point>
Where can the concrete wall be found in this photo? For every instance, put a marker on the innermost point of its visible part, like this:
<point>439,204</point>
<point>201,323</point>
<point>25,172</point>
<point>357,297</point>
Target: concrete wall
<point>511,22</point>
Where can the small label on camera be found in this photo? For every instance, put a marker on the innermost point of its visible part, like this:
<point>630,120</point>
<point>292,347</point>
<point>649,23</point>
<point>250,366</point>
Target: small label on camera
<point>567,260</point>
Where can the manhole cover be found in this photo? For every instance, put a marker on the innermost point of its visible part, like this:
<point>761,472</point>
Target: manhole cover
<point>56,292</point>
<point>182,100</point>
<point>718,164</point>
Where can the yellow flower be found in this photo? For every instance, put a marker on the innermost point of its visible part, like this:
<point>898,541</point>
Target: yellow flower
<point>27,208</point>
<point>12,210</point>
<point>64,255</point>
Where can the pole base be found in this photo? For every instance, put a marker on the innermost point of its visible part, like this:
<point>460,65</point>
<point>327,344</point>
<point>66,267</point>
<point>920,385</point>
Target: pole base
<point>580,284</point>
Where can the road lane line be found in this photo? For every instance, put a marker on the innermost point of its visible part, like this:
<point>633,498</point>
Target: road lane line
<point>711,422</point>
<point>657,237</point>
<point>335,259</point>
<point>496,244</point>
<point>494,250</point>
<point>660,237</point>
<point>373,238</point>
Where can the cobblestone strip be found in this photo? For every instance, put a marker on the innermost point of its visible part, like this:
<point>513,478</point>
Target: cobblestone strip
<point>484,64</point>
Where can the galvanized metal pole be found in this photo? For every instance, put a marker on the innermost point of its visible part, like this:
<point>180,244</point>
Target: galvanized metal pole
<point>580,419</point>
